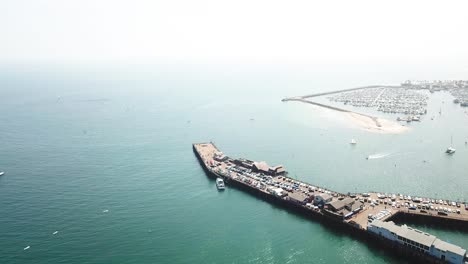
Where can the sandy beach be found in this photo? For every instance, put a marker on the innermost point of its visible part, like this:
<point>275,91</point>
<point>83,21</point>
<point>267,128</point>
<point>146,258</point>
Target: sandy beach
<point>361,121</point>
<point>376,125</point>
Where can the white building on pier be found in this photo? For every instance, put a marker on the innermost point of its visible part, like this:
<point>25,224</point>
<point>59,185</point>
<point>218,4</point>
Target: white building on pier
<point>419,241</point>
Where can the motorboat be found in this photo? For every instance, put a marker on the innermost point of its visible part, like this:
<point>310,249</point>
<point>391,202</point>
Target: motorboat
<point>353,142</point>
<point>2,173</point>
<point>220,184</point>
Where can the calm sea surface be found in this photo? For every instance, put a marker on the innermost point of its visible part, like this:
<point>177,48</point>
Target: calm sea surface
<point>104,157</point>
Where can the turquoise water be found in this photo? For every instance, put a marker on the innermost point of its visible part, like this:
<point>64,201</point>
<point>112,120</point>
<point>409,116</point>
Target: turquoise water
<point>104,157</point>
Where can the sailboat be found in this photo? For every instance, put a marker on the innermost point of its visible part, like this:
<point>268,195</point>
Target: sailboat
<point>353,142</point>
<point>450,150</point>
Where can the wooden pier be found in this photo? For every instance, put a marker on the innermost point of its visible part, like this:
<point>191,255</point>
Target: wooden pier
<point>355,222</point>
<point>207,151</point>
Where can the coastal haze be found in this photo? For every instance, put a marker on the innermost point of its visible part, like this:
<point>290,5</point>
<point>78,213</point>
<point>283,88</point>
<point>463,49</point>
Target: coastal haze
<point>91,142</point>
<point>102,101</point>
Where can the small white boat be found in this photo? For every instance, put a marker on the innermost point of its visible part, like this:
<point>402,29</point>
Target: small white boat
<point>353,142</point>
<point>2,173</point>
<point>56,232</point>
<point>26,248</point>
<point>220,184</point>
<point>450,150</point>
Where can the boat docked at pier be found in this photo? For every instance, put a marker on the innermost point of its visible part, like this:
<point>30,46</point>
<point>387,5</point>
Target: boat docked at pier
<point>220,184</point>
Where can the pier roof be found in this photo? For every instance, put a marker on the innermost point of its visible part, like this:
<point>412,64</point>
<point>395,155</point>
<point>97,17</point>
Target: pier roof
<point>416,236</point>
<point>324,196</point>
<point>444,246</point>
<point>390,226</point>
<point>262,166</point>
<point>298,196</point>
<point>278,169</point>
<point>406,232</point>
<point>339,204</point>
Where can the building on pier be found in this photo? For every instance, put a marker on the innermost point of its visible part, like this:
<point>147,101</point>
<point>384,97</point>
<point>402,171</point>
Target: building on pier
<point>339,205</point>
<point>345,205</point>
<point>260,166</point>
<point>344,208</point>
<point>277,170</point>
<point>263,167</point>
<point>322,199</point>
<point>243,163</point>
<point>418,241</point>
<point>219,156</point>
<point>299,198</point>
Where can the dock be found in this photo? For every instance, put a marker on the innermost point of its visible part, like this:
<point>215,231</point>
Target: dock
<point>351,212</point>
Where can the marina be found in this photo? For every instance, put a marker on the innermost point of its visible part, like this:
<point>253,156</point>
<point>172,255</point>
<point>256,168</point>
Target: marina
<point>410,99</point>
<point>356,213</point>
<point>457,88</point>
<point>385,99</point>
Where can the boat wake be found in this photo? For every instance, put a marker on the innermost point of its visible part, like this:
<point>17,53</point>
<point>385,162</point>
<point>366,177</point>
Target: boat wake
<point>388,155</point>
<point>378,156</point>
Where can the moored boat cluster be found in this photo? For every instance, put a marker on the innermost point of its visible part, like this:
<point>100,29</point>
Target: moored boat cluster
<point>386,99</point>
<point>458,88</point>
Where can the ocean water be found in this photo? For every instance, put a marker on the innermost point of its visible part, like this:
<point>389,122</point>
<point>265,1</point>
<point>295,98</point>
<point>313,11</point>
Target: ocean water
<point>103,156</point>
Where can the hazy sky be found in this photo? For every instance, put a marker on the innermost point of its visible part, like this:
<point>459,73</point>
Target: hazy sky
<point>240,30</point>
